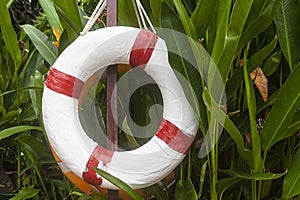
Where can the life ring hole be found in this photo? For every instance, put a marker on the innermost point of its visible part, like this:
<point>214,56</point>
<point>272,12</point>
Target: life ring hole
<point>139,108</point>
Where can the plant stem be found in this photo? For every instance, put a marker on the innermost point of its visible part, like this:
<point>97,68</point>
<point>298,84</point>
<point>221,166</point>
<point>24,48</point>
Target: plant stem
<point>19,166</point>
<point>189,164</point>
<point>16,78</point>
<point>254,192</point>
<point>214,161</point>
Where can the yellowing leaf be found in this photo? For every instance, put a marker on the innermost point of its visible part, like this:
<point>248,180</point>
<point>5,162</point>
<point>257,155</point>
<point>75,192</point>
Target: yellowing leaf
<point>261,82</point>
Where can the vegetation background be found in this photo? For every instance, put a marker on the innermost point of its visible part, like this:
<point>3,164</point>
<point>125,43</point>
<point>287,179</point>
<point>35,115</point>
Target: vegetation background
<point>256,47</point>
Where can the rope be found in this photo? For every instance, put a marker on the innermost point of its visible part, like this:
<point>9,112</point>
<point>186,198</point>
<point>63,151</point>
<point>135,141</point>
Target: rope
<point>95,15</point>
<point>136,13</point>
<point>143,14</point>
<point>138,8</point>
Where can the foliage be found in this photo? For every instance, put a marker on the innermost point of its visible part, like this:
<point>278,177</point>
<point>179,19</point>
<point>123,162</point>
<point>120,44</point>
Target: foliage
<point>257,155</point>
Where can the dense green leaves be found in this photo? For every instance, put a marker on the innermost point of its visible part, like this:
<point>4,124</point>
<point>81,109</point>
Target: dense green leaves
<point>237,21</point>
<point>26,193</point>
<point>223,119</point>
<point>254,61</point>
<point>185,20</point>
<point>262,22</point>
<point>282,111</point>
<point>239,36</point>
<point>9,35</point>
<point>199,16</point>
<point>287,21</point>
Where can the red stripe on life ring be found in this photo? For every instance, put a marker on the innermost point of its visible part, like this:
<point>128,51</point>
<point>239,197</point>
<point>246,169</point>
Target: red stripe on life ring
<point>63,83</point>
<point>99,154</point>
<point>174,137</point>
<point>142,48</point>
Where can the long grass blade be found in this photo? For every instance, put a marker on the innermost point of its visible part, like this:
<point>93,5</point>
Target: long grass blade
<point>17,129</point>
<point>238,19</point>
<point>119,183</point>
<point>251,102</point>
<point>9,35</point>
<point>51,14</point>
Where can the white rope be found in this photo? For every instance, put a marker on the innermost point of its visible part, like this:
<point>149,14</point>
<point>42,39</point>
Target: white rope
<point>95,15</point>
<point>139,10</point>
<point>143,13</point>
<point>136,13</point>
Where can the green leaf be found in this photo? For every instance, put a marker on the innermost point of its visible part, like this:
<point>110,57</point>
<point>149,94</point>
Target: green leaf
<point>199,16</point>
<point>190,190</point>
<point>51,14</point>
<point>256,60</point>
<point>257,9</point>
<point>180,191</point>
<point>9,35</point>
<point>282,112</point>
<point>291,182</point>
<point>272,63</point>
<point>42,43</point>
<point>9,3</point>
<point>202,178</point>
<point>185,190</point>
<point>221,30</point>
<point>36,94</point>
<point>129,135</point>
<point>287,23</point>
<point>226,183</point>
<point>71,29</point>
<point>28,116</point>
<point>224,120</point>
<point>158,190</point>
<point>156,7</point>
<point>34,145</point>
<point>126,13</point>
<point>238,18</point>
<point>117,182</point>
<point>17,129</point>
<point>251,102</point>
<point>185,19</point>
<point>70,9</point>
<point>26,193</point>
<point>293,128</point>
<point>271,100</point>
<point>171,21</point>
<point>33,63</point>
<point>260,24</point>
<point>255,176</point>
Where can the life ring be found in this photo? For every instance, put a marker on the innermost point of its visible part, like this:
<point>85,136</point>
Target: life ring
<point>89,53</point>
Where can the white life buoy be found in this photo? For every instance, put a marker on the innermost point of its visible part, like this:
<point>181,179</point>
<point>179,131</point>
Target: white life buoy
<point>89,53</point>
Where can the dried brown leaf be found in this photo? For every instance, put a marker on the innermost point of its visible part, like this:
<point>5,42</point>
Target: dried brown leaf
<point>261,82</point>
